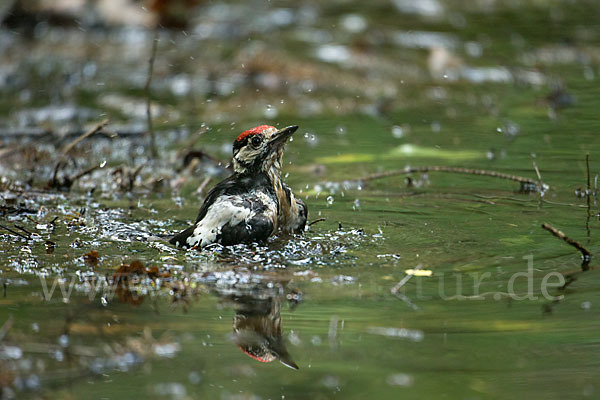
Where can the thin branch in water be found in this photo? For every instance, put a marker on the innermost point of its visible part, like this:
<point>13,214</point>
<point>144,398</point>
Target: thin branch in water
<point>54,182</point>
<point>153,150</point>
<point>83,173</point>
<point>22,228</point>
<point>203,185</point>
<point>82,137</point>
<point>527,184</point>
<point>317,220</point>
<point>402,282</point>
<point>540,183</point>
<point>14,232</point>
<point>588,195</point>
<point>586,255</point>
<point>6,327</point>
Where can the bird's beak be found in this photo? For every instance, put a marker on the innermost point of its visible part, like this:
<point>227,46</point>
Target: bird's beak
<point>281,137</point>
<point>278,348</point>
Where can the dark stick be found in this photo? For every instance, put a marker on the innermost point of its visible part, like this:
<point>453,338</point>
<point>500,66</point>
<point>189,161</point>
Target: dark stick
<point>24,230</point>
<point>317,220</point>
<point>148,99</point>
<point>14,232</point>
<point>456,170</point>
<point>586,255</point>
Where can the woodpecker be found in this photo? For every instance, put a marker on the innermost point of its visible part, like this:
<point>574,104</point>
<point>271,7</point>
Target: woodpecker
<point>253,203</point>
<point>257,330</point>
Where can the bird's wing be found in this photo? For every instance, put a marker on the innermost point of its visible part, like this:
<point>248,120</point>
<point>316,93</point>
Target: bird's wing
<point>226,186</point>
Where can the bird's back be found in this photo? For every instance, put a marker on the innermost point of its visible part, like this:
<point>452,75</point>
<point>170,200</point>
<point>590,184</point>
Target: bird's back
<point>240,209</point>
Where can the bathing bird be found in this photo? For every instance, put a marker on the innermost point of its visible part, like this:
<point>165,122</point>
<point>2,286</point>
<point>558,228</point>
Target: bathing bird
<point>253,203</point>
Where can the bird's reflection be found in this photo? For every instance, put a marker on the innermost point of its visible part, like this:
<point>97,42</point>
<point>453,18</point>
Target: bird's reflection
<point>257,324</point>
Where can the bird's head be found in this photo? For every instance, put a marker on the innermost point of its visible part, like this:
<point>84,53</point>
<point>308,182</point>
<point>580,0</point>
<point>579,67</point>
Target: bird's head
<point>260,149</point>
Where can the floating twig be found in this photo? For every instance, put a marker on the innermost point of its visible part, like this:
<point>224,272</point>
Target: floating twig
<point>526,183</point>
<point>148,95</point>
<point>586,255</point>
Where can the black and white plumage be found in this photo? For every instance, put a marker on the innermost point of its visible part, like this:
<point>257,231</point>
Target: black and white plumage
<point>253,203</point>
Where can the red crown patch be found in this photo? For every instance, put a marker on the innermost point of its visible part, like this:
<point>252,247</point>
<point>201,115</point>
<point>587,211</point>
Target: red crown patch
<point>253,131</point>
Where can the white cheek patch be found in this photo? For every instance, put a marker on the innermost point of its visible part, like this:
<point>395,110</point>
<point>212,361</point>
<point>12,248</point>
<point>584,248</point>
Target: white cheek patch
<point>247,154</point>
<point>224,210</point>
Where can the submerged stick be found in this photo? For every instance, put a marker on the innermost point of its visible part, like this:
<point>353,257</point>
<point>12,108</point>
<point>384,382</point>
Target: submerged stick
<point>586,255</point>
<point>148,97</point>
<point>525,182</point>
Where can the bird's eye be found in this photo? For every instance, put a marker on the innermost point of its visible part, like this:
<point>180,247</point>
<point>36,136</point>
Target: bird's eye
<point>256,141</point>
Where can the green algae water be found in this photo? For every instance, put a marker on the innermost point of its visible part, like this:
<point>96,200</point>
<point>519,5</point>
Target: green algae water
<point>417,286</point>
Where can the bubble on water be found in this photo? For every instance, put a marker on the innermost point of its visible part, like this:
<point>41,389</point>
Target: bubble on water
<point>354,23</point>
<point>474,49</point>
<point>499,129</point>
<point>399,380</point>
<point>340,130</point>
<point>586,305</point>
<point>511,129</point>
<point>63,340</point>
<point>329,200</point>
<point>194,377</point>
<point>330,381</point>
<point>397,131</point>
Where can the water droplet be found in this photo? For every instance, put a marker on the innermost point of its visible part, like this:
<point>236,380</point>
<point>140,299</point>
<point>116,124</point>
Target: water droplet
<point>329,200</point>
